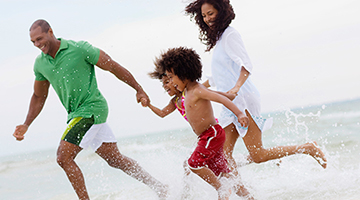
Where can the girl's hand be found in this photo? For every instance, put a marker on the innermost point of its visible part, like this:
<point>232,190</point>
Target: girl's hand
<point>144,102</point>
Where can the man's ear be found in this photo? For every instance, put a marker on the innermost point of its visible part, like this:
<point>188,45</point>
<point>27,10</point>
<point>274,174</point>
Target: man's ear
<point>50,31</point>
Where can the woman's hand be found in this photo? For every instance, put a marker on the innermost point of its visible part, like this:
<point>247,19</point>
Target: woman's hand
<point>233,91</point>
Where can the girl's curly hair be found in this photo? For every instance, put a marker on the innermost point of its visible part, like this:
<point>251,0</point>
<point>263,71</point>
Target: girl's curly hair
<point>158,73</point>
<point>223,19</point>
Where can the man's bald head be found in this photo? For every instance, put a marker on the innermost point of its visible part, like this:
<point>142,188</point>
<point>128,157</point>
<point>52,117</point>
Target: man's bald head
<point>45,26</point>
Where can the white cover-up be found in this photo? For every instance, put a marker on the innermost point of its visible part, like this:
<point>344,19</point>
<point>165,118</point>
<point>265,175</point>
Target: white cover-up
<point>228,57</point>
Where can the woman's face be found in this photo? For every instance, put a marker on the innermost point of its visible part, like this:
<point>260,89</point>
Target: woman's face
<point>209,14</point>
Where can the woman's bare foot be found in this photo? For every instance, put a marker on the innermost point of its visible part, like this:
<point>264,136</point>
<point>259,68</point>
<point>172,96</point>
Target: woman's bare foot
<point>314,150</point>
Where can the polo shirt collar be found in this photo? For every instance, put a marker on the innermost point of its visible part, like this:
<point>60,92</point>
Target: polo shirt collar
<point>63,45</point>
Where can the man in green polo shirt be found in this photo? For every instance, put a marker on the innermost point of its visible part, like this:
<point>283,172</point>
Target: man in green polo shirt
<point>69,67</point>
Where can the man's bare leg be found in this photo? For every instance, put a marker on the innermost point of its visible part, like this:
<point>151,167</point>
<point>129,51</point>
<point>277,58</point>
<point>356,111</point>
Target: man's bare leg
<point>66,154</point>
<point>111,154</point>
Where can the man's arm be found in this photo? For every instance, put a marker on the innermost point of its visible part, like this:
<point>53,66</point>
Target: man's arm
<point>106,63</point>
<point>41,90</point>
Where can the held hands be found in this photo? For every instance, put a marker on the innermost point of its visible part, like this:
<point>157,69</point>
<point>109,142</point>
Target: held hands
<point>142,98</point>
<point>19,132</point>
<point>231,96</point>
<point>144,102</point>
<point>234,91</point>
<point>243,120</point>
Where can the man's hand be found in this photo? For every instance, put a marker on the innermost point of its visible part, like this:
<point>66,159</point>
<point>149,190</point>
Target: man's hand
<point>19,132</point>
<point>142,97</point>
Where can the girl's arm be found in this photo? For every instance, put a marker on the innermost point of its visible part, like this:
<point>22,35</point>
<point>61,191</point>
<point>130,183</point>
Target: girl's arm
<point>204,93</point>
<point>166,110</point>
<point>244,74</point>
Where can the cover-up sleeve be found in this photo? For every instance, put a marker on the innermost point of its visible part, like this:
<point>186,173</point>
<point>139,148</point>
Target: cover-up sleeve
<point>235,49</point>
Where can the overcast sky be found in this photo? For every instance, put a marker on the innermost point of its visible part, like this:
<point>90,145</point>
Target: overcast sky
<point>304,52</point>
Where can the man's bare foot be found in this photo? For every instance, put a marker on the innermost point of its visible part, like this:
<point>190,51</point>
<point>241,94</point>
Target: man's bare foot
<point>162,192</point>
<point>314,150</point>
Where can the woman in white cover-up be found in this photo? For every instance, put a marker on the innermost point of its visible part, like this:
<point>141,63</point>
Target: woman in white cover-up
<point>231,69</point>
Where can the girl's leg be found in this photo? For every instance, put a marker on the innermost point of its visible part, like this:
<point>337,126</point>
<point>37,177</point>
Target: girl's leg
<point>253,142</point>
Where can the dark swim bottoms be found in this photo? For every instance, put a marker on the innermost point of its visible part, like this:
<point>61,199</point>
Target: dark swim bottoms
<point>76,130</point>
<point>209,151</point>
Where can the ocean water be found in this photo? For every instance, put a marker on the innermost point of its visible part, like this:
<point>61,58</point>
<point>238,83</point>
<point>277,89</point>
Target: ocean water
<point>335,127</point>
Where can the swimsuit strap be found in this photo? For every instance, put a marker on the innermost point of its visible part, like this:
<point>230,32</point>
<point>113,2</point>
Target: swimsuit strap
<point>182,109</point>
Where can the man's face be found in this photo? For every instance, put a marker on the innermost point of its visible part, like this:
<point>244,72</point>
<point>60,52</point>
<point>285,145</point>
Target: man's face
<point>41,39</point>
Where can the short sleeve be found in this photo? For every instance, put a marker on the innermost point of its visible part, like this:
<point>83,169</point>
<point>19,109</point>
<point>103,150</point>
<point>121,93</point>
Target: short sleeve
<point>235,49</point>
<point>92,53</point>
<point>38,75</point>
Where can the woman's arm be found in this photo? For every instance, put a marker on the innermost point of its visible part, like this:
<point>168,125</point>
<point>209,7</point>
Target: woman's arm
<point>244,74</point>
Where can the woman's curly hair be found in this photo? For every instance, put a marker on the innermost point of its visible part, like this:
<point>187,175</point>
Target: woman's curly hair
<point>223,19</point>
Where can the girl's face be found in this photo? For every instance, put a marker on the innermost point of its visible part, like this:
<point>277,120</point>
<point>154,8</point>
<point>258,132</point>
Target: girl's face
<point>168,87</point>
<point>209,14</point>
<point>175,81</point>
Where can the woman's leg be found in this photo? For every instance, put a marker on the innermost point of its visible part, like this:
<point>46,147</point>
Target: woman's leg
<point>253,142</point>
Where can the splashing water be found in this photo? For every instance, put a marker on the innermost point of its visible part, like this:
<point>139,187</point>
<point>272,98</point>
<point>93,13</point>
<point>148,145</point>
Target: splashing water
<point>335,127</point>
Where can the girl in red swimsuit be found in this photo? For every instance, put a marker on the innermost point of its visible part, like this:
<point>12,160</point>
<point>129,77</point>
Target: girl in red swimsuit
<point>175,102</point>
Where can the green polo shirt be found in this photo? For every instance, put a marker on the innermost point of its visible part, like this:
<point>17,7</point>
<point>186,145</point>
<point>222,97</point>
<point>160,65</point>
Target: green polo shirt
<point>72,75</point>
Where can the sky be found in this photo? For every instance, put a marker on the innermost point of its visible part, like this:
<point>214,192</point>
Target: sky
<point>304,52</point>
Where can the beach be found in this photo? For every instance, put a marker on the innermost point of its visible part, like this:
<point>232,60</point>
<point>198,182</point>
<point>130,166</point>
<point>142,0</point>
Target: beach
<point>36,175</point>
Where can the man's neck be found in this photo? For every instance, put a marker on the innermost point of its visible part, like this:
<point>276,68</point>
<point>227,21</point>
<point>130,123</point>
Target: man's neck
<point>56,48</point>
